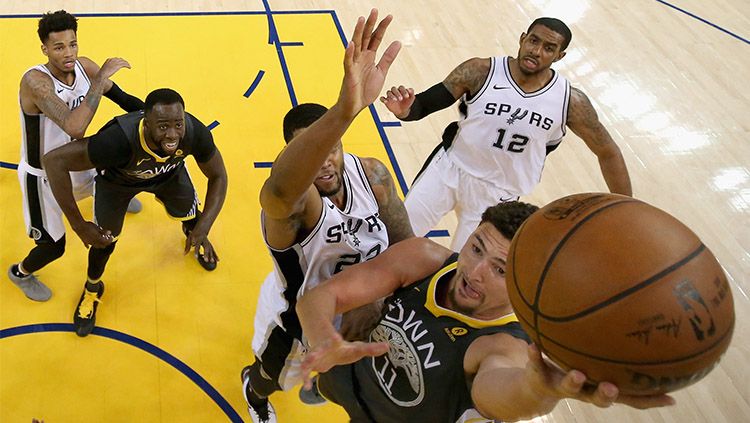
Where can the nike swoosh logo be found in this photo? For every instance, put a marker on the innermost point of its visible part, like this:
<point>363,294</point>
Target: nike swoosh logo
<point>59,91</point>
<point>497,87</point>
<point>143,160</point>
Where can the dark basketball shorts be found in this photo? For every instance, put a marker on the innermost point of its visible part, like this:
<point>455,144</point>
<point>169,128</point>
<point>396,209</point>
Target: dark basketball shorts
<point>177,194</point>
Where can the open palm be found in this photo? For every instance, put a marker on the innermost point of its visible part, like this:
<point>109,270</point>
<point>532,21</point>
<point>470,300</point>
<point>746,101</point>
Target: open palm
<point>363,78</point>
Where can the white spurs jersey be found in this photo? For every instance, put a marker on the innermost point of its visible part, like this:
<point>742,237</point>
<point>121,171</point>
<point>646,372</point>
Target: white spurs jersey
<point>341,237</point>
<point>40,134</point>
<point>505,134</point>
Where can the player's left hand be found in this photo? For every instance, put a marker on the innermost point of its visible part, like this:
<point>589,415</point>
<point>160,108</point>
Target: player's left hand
<point>335,352</point>
<point>555,384</point>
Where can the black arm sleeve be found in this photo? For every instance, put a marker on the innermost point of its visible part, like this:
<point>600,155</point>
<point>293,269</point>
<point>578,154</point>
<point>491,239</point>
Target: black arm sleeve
<point>126,101</point>
<point>204,146</point>
<point>435,98</point>
<point>109,147</point>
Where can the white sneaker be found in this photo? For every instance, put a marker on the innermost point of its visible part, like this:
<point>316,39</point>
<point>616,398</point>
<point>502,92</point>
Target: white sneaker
<point>31,286</point>
<point>135,206</point>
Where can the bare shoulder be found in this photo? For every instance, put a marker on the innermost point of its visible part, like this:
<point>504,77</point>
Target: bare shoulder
<point>580,110</point>
<point>506,349</point>
<point>468,77</point>
<point>89,66</point>
<point>35,85</point>
<point>376,171</point>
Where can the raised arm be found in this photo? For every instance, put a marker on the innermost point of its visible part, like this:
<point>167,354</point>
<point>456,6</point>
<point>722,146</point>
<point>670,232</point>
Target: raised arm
<point>466,78</point>
<point>38,96</point>
<point>58,164</point>
<point>390,206</point>
<point>112,91</point>
<point>512,382</point>
<point>398,266</point>
<point>294,171</point>
<point>584,122</point>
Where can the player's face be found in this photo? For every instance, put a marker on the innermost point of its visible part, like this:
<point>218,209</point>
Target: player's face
<point>328,181</point>
<point>62,50</point>
<point>539,49</point>
<point>478,289</point>
<point>164,126</point>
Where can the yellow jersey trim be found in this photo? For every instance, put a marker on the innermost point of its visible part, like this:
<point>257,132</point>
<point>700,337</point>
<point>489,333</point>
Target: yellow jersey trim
<point>145,146</point>
<point>438,311</point>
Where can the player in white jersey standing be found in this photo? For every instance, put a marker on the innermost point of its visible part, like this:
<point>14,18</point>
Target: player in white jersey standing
<point>58,100</point>
<point>513,113</point>
<point>323,210</point>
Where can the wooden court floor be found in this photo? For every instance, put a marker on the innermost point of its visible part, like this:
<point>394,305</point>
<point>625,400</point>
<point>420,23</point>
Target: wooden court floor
<point>669,86</point>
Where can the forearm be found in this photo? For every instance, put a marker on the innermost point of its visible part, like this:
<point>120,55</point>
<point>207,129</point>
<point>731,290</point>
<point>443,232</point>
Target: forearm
<point>216,192</point>
<point>299,163</point>
<point>615,174</point>
<point>435,98</point>
<point>58,176</point>
<point>127,102</point>
<point>316,310</point>
<point>79,118</point>
<point>504,394</point>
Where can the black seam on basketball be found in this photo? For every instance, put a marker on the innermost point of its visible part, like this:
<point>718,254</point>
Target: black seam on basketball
<point>718,341</point>
<point>535,306</point>
<point>701,248</point>
<point>513,262</point>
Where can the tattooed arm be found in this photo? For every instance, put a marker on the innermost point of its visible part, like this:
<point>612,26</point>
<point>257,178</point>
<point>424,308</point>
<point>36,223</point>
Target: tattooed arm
<point>390,205</point>
<point>584,122</point>
<point>467,78</point>
<point>37,95</point>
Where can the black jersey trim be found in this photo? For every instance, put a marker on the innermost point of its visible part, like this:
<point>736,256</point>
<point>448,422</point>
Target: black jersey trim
<point>522,93</point>
<point>471,99</point>
<point>83,72</point>
<point>363,176</point>
<point>292,277</point>
<point>348,195</point>
<point>33,131</point>
<point>54,78</point>
<point>566,104</point>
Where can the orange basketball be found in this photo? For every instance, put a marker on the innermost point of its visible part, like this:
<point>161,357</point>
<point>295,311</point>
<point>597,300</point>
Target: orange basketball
<point>622,291</point>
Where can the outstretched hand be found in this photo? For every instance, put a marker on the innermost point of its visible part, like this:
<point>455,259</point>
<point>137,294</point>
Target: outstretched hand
<point>363,78</point>
<point>335,352</point>
<point>552,382</point>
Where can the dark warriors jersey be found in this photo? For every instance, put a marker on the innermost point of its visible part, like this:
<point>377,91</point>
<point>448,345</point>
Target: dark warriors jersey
<point>121,155</point>
<point>422,378</point>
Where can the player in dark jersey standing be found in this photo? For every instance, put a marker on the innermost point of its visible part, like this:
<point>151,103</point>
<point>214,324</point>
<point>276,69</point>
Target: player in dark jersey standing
<point>448,347</point>
<point>133,153</point>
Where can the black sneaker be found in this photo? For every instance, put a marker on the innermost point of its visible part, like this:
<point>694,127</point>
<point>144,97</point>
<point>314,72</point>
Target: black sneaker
<point>261,411</point>
<point>85,314</point>
<point>312,396</point>
<point>208,265</point>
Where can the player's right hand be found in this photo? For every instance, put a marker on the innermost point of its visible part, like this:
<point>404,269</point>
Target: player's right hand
<point>93,235</point>
<point>111,66</point>
<point>336,352</point>
<point>363,78</point>
<point>399,100</point>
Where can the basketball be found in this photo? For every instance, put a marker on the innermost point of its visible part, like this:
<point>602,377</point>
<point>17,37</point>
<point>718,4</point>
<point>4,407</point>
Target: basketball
<point>622,291</point>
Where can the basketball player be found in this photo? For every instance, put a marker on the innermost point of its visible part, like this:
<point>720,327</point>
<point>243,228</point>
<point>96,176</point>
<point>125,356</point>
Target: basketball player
<point>513,114</point>
<point>323,210</point>
<point>58,100</point>
<point>448,347</point>
<point>142,151</point>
